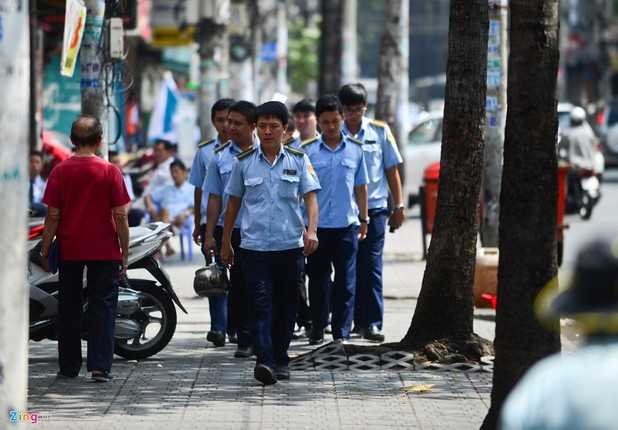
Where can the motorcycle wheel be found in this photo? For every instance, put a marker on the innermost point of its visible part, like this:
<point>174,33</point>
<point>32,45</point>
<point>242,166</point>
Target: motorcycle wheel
<point>157,321</point>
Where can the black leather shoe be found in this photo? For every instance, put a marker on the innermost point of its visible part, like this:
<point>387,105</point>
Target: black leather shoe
<point>316,340</point>
<point>232,338</point>
<point>216,337</point>
<point>300,333</point>
<point>357,332</point>
<point>374,333</point>
<point>282,372</point>
<point>265,374</point>
<point>244,352</point>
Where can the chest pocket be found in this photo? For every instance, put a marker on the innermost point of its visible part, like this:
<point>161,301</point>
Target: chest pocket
<point>348,170</point>
<point>255,190</point>
<point>288,187</point>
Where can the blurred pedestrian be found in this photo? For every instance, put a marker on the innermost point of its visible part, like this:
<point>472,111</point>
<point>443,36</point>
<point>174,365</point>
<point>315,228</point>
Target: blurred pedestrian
<point>240,128</point>
<point>37,184</point>
<point>218,304</point>
<point>382,159</point>
<point>269,180</point>
<point>87,213</point>
<point>339,162</point>
<point>576,391</point>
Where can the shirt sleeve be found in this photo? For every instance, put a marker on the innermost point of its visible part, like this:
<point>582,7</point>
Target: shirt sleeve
<point>119,195</point>
<point>390,152</point>
<point>213,183</point>
<point>235,186</point>
<point>52,193</point>
<point>308,179</point>
<point>361,177</point>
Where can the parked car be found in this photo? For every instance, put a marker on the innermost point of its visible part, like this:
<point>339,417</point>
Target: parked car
<point>423,149</point>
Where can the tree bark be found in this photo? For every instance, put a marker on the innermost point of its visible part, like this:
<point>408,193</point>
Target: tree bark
<point>389,64</point>
<point>529,195</point>
<point>445,305</point>
<point>330,47</point>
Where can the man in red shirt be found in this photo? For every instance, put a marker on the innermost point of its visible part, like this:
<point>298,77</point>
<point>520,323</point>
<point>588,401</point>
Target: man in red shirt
<point>87,212</point>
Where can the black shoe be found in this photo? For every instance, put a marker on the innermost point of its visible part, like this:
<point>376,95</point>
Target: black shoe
<point>216,337</point>
<point>61,375</point>
<point>300,333</point>
<point>101,376</point>
<point>316,340</point>
<point>374,334</point>
<point>265,374</point>
<point>282,372</point>
<point>232,338</point>
<point>357,332</point>
<point>244,352</point>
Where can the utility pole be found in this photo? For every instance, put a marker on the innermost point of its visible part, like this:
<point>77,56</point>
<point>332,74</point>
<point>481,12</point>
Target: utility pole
<point>349,55</point>
<point>212,32</point>
<point>497,67</point>
<point>329,80</point>
<point>92,59</point>
<point>14,292</point>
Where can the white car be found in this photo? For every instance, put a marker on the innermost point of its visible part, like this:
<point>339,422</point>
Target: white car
<point>423,149</point>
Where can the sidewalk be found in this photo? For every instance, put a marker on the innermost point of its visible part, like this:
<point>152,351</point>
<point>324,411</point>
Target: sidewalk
<point>192,385</point>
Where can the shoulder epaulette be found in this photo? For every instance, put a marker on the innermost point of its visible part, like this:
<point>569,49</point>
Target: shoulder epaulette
<point>290,140</point>
<point>378,123</point>
<point>308,141</point>
<point>223,146</point>
<point>206,142</point>
<point>355,140</point>
<point>294,150</point>
<point>247,152</point>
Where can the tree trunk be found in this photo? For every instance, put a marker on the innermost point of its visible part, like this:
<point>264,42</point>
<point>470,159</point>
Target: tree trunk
<point>445,305</point>
<point>330,47</point>
<point>529,197</point>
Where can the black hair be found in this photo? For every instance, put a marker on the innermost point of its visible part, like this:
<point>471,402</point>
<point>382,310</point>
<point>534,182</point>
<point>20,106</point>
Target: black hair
<point>273,109</point>
<point>112,153</point>
<point>305,105</point>
<point>35,152</point>
<point>219,105</point>
<point>86,130</point>
<point>328,103</point>
<point>169,146</point>
<point>352,94</point>
<point>178,163</point>
<point>245,108</point>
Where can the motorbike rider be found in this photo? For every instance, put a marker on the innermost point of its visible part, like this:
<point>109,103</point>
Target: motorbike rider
<point>578,148</point>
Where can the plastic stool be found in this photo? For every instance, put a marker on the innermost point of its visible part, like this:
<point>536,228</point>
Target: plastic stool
<point>187,234</point>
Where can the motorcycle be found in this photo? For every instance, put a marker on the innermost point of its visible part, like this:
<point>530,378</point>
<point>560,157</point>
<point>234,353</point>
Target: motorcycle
<point>584,192</point>
<point>146,315</point>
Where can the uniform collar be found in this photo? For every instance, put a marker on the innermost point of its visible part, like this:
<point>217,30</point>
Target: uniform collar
<point>364,124</point>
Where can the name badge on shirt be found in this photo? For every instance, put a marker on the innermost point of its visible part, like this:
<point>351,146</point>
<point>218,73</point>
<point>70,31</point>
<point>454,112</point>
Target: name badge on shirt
<point>370,142</point>
<point>289,172</point>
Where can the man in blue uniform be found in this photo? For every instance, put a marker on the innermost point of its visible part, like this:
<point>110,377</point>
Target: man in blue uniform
<point>269,180</point>
<point>340,165</point>
<point>381,159</point>
<point>240,128</point>
<point>217,305</point>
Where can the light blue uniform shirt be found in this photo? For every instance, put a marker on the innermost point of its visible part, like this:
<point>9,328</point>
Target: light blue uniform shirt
<point>339,171</point>
<point>219,172</point>
<point>271,194</point>
<point>200,167</point>
<point>381,153</point>
<point>175,199</point>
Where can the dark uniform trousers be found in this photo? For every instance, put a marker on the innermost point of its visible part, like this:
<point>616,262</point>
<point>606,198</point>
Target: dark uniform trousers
<point>238,305</point>
<point>338,246</point>
<point>369,301</point>
<point>272,284</point>
<point>218,305</point>
<point>102,293</point>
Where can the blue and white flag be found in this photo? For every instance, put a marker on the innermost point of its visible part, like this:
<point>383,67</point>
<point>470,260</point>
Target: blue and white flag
<point>162,121</point>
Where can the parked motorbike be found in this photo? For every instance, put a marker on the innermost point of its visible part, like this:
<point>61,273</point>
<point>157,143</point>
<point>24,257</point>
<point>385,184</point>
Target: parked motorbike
<point>146,315</point>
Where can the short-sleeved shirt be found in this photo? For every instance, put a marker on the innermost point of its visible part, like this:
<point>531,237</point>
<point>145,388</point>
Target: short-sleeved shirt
<point>175,199</point>
<point>271,194</point>
<point>161,177</point>
<point>339,171</point>
<point>85,190</point>
<point>381,153</point>
<point>199,169</point>
<point>219,173</point>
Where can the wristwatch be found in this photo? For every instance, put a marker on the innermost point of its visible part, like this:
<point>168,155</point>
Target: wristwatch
<point>364,220</point>
<point>399,208</point>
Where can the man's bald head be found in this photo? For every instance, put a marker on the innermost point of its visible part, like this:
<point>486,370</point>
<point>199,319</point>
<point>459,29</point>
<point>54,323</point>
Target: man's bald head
<point>86,131</point>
